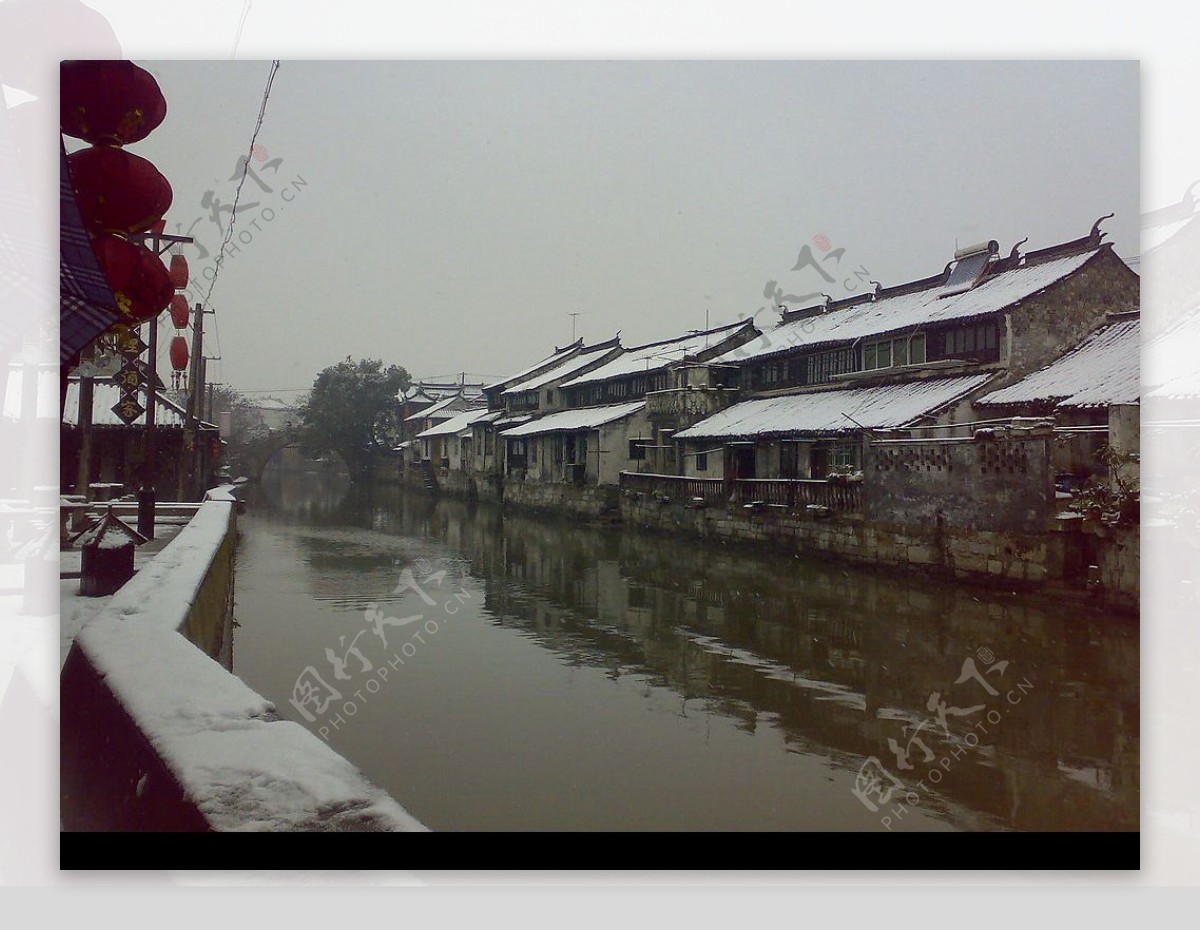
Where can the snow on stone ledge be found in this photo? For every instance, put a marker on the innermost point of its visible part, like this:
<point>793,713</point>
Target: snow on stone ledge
<point>244,768</point>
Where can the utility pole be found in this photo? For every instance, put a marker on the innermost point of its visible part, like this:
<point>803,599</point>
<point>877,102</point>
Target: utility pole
<point>189,453</point>
<point>146,493</point>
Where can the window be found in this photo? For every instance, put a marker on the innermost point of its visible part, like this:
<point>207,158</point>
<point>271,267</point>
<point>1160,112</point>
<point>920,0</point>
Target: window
<point>903,350</point>
<point>916,350</point>
<point>533,447</point>
<point>824,365</point>
<point>549,398</point>
<point>978,341</point>
<point>637,449</point>
<point>701,461</point>
<point>845,455</point>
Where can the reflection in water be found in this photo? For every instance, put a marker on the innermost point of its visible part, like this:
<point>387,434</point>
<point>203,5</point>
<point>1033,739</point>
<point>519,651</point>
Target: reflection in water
<point>594,678</point>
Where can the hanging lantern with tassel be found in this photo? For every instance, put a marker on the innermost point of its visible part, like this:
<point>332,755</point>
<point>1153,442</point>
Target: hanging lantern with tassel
<point>179,353</point>
<point>179,311</point>
<point>179,270</point>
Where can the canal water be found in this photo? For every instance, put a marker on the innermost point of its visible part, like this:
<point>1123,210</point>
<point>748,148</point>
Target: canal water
<point>504,671</point>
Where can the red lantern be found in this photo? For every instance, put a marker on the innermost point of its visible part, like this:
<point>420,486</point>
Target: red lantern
<point>109,102</point>
<point>179,271</point>
<point>139,279</point>
<point>179,353</point>
<point>118,191</point>
<point>179,311</point>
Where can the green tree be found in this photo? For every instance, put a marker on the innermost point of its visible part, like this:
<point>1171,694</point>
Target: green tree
<point>350,409</point>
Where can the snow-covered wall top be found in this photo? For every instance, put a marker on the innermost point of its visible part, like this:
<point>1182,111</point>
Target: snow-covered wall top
<point>241,766</point>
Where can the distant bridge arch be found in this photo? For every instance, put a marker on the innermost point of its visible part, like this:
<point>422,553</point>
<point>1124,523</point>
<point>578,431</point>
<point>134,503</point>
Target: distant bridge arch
<point>258,451</point>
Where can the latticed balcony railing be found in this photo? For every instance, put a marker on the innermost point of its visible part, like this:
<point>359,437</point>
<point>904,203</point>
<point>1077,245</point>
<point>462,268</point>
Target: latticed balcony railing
<point>790,493</point>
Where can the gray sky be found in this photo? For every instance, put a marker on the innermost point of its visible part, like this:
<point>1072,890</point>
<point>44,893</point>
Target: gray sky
<point>449,216</point>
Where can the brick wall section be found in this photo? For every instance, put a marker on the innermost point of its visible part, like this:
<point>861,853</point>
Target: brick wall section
<point>1000,485</point>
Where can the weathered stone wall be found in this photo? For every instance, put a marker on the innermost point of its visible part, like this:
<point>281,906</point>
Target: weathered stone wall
<point>1026,557</point>
<point>456,482</point>
<point>1045,326</point>
<point>1118,554</point>
<point>562,498</point>
<point>999,484</point>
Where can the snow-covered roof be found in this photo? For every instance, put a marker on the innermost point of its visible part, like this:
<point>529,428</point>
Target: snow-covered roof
<point>1103,369</point>
<point>513,420</point>
<point>558,356</point>
<point>567,421</point>
<point>273,403</point>
<point>906,311</point>
<point>455,425</point>
<point>887,406</point>
<point>657,355</point>
<point>564,369</point>
<point>105,395</point>
<point>441,407</point>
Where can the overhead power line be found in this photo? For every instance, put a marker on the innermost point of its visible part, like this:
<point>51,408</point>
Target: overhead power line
<point>237,194</point>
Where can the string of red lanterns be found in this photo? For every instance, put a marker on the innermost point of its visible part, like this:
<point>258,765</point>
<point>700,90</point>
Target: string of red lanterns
<point>111,104</point>
<point>179,317</point>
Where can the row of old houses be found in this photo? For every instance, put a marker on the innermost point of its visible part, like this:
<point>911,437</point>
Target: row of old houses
<point>1049,333</point>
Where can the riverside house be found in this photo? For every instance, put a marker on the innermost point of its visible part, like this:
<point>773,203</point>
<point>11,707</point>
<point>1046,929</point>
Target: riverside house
<point>573,456</point>
<point>831,377</point>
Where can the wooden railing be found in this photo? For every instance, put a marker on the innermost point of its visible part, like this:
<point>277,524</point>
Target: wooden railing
<point>678,488</point>
<point>793,494</point>
<point>798,493</point>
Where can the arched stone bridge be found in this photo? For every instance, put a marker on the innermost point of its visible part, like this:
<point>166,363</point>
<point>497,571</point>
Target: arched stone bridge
<point>254,453</point>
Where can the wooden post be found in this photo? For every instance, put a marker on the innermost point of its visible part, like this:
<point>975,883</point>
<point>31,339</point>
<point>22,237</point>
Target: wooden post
<point>85,436</point>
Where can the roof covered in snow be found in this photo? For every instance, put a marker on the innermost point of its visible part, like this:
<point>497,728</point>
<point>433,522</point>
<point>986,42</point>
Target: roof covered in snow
<point>105,395</point>
<point>1103,369</point>
<point>455,425</point>
<point>560,355</point>
<point>446,407</point>
<point>564,369</point>
<point>910,309</point>
<point>887,406</point>
<point>657,355</point>
<point>568,421</point>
